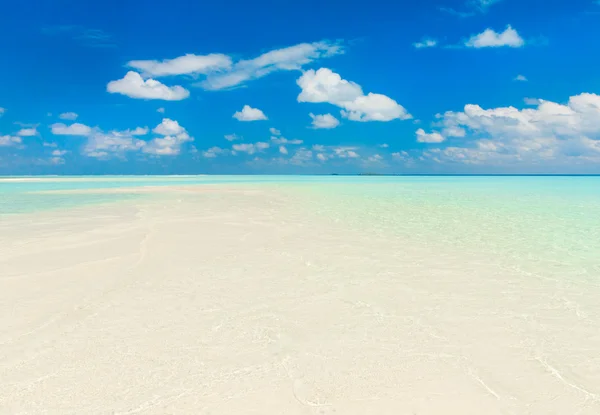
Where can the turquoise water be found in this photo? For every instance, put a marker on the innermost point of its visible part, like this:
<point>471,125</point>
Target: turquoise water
<point>549,223</point>
<point>36,194</point>
<point>571,197</point>
<point>547,227</point>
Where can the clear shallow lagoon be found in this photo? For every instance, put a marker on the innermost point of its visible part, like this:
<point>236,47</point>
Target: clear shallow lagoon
<point>541,222</point>
<point>459,294</point>
<point>552,222</point>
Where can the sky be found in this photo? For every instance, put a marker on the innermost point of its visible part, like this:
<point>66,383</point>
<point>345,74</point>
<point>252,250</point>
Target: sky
<point>311,87</point>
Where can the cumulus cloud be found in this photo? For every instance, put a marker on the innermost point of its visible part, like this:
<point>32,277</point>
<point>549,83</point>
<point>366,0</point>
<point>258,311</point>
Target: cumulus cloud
<point>168,127</point>
<point>426,43</point>
<point>104,145</point>
<point>283,150</point>
<point>59,153</point>
<point>139,131</point>
<point>73,129</point>
<point>491,39</point>
<point>250,148</point>
<point>250,114</point>
<point>134,86</point>
<point>27,132</point>
<point>374,159</point>
<point>160,110</point>
<point>325,85</point>
<point>284,59</point>
<point>434,137</point>
<point>57,156</point>
<point>69,116</point>
<point>182,65</point>
<point>214,152</point>
<point>401,155</point>
<point>345,152</point>
<point>302,156</point>
<point>169,145</point>
<point>111,144</point>
<point>520,78</point>
<point>326,121</point>
<point>9,141</point>
<point>48,144</point>
<point>274,131</point>
<point>564,133</point>
<point>232,137</point>
<point>283,140</point>
<point>384,145</point>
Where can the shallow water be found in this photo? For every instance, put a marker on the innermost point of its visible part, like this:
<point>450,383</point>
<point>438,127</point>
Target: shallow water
<point>354,295</point>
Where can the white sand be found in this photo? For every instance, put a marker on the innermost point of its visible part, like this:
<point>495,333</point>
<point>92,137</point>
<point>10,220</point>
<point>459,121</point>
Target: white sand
<point>240,302</point>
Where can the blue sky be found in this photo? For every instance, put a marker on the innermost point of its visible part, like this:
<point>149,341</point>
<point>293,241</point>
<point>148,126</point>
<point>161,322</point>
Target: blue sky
<point>184,87</point>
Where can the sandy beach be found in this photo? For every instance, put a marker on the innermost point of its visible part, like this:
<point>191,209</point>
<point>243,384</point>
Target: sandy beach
<point>247,300</point>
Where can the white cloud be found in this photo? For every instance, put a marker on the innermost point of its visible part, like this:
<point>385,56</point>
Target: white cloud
<point>160,110</point>
<point>104,145</point>
<point>302,156</point>
<point>374,107</point>
<point>374,159</point>
<point>70,116</point>
<point>345,152</point>
<point>251,148</point>
<point>426,43</point>
<point>564,133</point>
<point>434,137</point>
<point>324,85</point>
<point>51,145</point>
<point>283,150</point>
<point>112,144</point>
<point>490,39</point>
<point>9,141</point>
<point>182,65</point>
<point>134,86</point>
<point>139,131</point>
<point>453,131</point>
<point>274,131</point>
<point>327,86</point>
<point>326,121</point>
<point>169,145</point>
<point>73,129</point>
<point>401,155</point>
<point>283,140</point>
<point>322,157</point>
<point>232,137</point>
<point>285,59</point>
<point>214,152</point>
<point>27,132</point>
<point>168,127</point>
<point>2,111</point>
<point>384,145</point>
<point>520,78</point>
<point>249,114</point>
<point>59,153</point>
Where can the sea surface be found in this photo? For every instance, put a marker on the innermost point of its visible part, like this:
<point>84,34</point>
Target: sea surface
<point>546,224</point>
<point>549,225</point>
